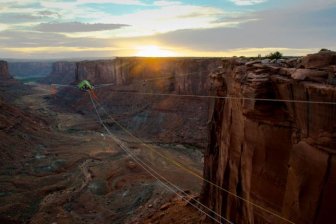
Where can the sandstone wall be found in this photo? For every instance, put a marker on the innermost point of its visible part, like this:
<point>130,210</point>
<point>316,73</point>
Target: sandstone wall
<point>280,155</point>
<point>130,71</point>
<point>16,126</point>
<point>166,119</point>
<point>63,72</point>
<point>4,73</point>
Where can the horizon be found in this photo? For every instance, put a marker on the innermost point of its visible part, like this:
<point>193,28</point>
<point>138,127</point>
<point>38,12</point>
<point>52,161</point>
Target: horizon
<point>13,60</point>
<point>68,29</point>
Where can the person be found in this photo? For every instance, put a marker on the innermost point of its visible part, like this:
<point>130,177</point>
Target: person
<point>85,85</point>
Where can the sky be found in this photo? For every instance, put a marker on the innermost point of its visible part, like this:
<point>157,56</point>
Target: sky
<point>34,29</point>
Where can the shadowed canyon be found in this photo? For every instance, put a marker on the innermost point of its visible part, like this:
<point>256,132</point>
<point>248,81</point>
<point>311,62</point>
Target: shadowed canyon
<point>170,140</point>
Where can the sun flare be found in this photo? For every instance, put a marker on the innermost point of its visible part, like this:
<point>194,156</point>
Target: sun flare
<point>153,51</point>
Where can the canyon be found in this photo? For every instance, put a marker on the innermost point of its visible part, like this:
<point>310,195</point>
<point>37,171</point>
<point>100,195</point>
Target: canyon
<point>62,72</point>
<point>21,68</point>
<point>61,167</point>
<point>262,129</point>
<point>132,96</point>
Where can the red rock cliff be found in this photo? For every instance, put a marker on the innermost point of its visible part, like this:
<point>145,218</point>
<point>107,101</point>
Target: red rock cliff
<point>63,72</point>
<point>279,155</point>
<point>187,75</point>
<point>164,118</point>
<point>4,74</point>
<point>20,130</point>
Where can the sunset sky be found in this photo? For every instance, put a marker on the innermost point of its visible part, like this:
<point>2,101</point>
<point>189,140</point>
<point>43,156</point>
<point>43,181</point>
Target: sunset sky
<point>107,28</point>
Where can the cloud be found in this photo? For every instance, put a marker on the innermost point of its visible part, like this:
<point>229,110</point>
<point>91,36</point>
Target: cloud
<point>73,27</point>
<point>288,28</point>
<point>13,18</point>
<point>27,39</point>
<point>166,3</point>
<point>25,17</point>
<point>48,13</point>
<point>23,5</point>
<point>117,2</point>
<point>160,17</point>
<point>3,27</point>
<point>169,17</point>
<point>247,2</point>
<point>191,29</point>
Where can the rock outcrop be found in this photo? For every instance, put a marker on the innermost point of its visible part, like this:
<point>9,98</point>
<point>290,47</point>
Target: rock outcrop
<point>63,72</point>
<point>133,98</point>
<point>16,124</point>
<point>323,59</point>
<point>183,75</point>
<point>4,73</point>
<point>277,153</point>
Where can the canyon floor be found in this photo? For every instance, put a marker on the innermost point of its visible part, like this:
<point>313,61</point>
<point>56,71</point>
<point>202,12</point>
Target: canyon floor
<point>78,174</point>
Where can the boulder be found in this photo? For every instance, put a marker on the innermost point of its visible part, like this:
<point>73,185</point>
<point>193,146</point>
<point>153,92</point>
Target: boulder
<point>165,206</point>
<point>292,62</point>
<point>309,74</point>
<point>265,61</point>
<point>319,60</point>
<point>252,62</point>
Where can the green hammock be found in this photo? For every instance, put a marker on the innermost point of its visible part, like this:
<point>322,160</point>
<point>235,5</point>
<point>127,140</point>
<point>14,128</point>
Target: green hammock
<point>85,85</point>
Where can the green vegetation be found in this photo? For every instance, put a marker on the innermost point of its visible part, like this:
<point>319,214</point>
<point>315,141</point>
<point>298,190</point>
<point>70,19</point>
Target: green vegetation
<point>274,55</point>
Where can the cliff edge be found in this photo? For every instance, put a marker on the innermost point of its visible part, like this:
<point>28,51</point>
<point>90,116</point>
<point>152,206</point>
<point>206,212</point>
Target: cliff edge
<point>278,153</point>
<point>62,72</point>
<point>4,73</point>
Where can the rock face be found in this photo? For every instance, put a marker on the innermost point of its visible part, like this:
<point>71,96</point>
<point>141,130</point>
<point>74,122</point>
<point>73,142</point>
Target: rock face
<point>278,154</point>
<point>133,100</point>
<point>4,74</point>
<point>63,72</point>
<point>16,125</point>
<point>182,75</point>
<point>29,69</point>
<point>321,60</point>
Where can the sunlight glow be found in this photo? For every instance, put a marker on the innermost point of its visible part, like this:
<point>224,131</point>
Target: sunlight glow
<point>153,51</point>
<point>3,26</point>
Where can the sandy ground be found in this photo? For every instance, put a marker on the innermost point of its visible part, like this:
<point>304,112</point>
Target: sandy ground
<point>81,175</point>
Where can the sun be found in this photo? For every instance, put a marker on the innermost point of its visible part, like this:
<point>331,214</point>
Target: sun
<point>153,51</point>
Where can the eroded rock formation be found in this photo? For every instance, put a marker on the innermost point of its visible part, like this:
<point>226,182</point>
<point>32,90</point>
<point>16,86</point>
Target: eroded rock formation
<point>183,75</point>
<point>63,72</point>
<point>278,154</point>
<point>4,73</point>
<point>53,173</point>
<point>16,125</point>
<point>133,98</point>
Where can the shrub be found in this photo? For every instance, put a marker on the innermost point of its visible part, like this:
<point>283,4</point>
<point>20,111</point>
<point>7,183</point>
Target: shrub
<point>274,55</point>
